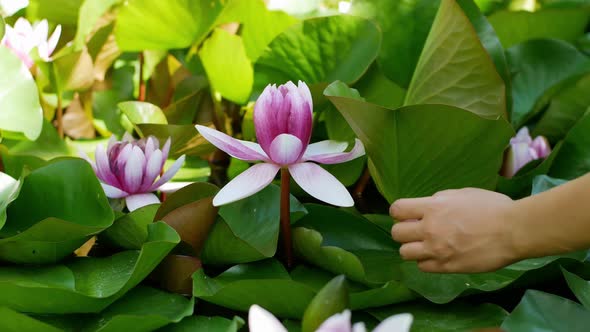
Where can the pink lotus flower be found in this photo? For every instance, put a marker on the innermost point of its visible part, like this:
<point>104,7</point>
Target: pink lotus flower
<point>260,320</point>
<point>23,38</point>
<point>283,122</point>
<point>129,169</point>
<point>523,150</point>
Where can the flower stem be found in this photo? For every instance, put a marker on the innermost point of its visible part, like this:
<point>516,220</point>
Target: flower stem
<point>286,218</point>
<point>141,96</point>
<point>59,116</point>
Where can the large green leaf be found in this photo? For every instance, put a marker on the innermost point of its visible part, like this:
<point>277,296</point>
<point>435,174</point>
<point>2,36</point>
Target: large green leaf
<point>462,148</point>
<point>265,283</point>
<point>330,300</point>
<point>259,26</point>
<point>70,206</point>
<point>9,190</point>
<point>314,51</point>
<point>515,27</point>
<point>564,110</point>
<point>490,41</point>
<point>538,311</point>
<point>13,321</point>
<point>322,238</point>
<point>452,317</point>
<point>19,101</point>
<point>84,284</point>
<point>540,65</point>
<point>57,11</point>
<point>89,14</point>
<point>443,288</point>
<point>142,309</point>
<point>405,26</point>
<point>142,112</point>
<point>454,68</point>
<point>161,25</point>
<point>130,230</point>
<point>573,159</point>
<point>579,286</point>
<point>205,324</point>
<point>248,229</point>
<point>228,68</point>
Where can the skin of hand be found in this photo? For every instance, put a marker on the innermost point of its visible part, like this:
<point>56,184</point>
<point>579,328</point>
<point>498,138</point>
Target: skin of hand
<point>473,230</point>
<point>464,230</point>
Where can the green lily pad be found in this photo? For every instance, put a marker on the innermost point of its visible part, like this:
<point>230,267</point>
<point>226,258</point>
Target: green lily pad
<point>205,324</point>
<point>312,51</point>
<point>323,239</point>
<point>457,71</point>
<point>464,150</point>
<point>227,66</point>
<point>443,288</point>
<point>539,311</point>
<point>89,14</point>
<point>156,25</point>
<point>142,112</point>
<point>564,110</point>
<point>248,230</point>
<point>259,26</point>
<point>70,207</point>
<point>455,316</point>
<point>21,111</point>
<point>142,309</point>
<point>265,283</point>
<point>405,26</point>
<point>579,286</point>
<point>14,321</point>
<point>573,159</point>
<point>330,300</point>
<point>514,27</point>
<point>541,66</point>
<point>58,11</point>
<point>130,230</point>
<point>84,285</point>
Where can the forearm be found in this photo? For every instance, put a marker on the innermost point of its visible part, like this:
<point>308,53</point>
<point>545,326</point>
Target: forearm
<point>553,222</point>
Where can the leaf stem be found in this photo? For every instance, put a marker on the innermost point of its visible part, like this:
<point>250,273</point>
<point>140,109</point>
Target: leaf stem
<point>286,218</point>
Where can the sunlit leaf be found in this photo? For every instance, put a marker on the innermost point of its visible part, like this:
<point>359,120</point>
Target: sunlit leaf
<point>227,65</point>
<point>454,68</point>
<point>157,25</point>
<point>19,101</point>
<point>514,27</point>
<point>462,148</point>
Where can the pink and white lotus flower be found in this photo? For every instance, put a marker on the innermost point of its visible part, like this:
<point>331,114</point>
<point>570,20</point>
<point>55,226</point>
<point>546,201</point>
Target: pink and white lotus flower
<point>130,169</point>
<point>523,150</point>
<point>283,123</point>
<point>24,37</point>
<point>260,320</point>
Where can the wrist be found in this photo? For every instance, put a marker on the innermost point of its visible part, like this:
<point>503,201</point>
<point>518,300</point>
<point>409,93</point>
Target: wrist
<point>521,237</point>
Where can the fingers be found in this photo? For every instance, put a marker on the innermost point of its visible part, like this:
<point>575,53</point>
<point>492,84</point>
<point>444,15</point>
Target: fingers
<point>414,251</point>
<point>407,231</point>
<point>410,208</point>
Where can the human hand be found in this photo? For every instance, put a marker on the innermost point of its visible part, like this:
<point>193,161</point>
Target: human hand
<point>456,231</point>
